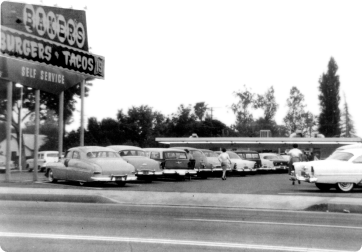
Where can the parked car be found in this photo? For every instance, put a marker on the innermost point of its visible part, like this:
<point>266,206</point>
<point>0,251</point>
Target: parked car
<point>146,169</point>
<point>206,161</point>
<point>280,164</point>
<point>261,165</point>
<point>3,164</point>
<point>239,165</point>
<point>341,170</point>
<point>174,162</point>
<point>44,157</point>
<point>91,164</point>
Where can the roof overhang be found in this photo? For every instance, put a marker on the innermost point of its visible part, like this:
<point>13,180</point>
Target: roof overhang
<point>256,140</point>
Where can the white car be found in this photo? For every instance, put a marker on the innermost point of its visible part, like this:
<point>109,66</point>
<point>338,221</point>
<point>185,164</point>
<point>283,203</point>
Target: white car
<point>342,170</point>
<point>3,164</point>
<point>44,157</point>
<point>240,165</point>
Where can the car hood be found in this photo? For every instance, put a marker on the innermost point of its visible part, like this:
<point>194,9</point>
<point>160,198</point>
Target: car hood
<point>143,163</point>
<point>115,166</point>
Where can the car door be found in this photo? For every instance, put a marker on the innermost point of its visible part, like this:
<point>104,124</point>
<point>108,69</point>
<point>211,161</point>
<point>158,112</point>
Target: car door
<point>199,159</point>
<point>72,163</point>
<point>353,171</point>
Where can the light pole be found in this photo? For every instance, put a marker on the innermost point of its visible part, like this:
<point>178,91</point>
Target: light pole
<point>19,121</point>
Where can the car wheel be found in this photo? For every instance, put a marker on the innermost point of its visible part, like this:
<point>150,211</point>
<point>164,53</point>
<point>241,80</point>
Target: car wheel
<point>51,177</point>
<point>345,187</point>
<point>121,183</point>
<point>323,187</point>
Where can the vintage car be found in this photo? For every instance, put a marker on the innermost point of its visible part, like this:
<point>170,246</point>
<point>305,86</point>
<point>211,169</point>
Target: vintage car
<point>239,165</point>
<point>44,157</point>
<point>251,156</point>
<point>174,162</point>
<point>3,164</point>
<point>146,169</point>
<point>280,164</point>
<point>206,161</point>
<point>91,164</point>
<point>342,170</point>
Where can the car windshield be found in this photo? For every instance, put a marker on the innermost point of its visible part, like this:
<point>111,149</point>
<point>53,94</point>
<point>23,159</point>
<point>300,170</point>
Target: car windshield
<point>175,155</point>
<point>251,155</point>
<point>210,154</point>
<point>132,153</point>
<point>233,155</point>
<point>102,154</point>
<point>342,156</point>
<point>273,157</point>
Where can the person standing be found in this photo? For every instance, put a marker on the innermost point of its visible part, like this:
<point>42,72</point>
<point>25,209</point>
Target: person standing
<point>225,161</point>
<point>296,155</point>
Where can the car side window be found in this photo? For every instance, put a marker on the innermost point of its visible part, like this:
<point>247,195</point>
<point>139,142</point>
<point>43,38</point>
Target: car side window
<point>358,160</point>
<point>196,154</point>
<point>76,155</point>
<point>154,155</point>
<point>69,155</point>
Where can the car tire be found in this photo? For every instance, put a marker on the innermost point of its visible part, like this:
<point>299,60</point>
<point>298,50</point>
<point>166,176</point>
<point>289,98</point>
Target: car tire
<point>344,187</point>
<point>323,187</point>
<point>121,183</point>
<point>50,177</point>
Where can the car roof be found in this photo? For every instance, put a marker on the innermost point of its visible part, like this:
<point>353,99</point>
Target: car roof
<point>124,147</point>
<point>47,152</point>
<point>356,151</point>
<point>183,148</point>
<point>351,146</point>
<point>162,149</point>
<point>91,148</point>
<point>268,153</point>
<point>245,151</point>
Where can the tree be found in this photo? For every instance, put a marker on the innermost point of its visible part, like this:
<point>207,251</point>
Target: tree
<point>141,125</point>
<point>48,102</point>
<point>183,122</point>
<point>268,103</point>
<point>200,109</point>
<point>329,98</point>
<point>244,119</point>
<point>347,125</point>
<point>294,118</point>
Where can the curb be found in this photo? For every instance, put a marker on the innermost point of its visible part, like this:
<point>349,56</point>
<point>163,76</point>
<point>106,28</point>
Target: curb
<point>58,198</point>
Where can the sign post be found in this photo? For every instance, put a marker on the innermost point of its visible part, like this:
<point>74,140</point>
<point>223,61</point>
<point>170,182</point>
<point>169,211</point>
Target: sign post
<point>8,129</point>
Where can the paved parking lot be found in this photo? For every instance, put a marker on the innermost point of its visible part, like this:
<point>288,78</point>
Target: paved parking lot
<point>272,184</point>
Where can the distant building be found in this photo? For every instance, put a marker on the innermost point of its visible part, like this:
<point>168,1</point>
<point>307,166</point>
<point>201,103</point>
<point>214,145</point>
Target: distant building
<point>320,146</point>
<point>28,145</point>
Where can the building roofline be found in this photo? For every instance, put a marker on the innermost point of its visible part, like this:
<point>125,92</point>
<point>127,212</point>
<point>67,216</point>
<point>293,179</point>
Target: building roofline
<point>256,140</point>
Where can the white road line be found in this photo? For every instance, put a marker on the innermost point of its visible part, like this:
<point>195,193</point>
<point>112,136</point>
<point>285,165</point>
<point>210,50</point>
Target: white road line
<point>273,223</point>
<point>164,241</point>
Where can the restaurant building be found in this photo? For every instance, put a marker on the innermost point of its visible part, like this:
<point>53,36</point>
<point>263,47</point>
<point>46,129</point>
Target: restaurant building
<point>321,147</point>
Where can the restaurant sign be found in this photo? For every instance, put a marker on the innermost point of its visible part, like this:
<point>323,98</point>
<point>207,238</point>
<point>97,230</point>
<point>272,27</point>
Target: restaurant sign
<point>42,77</point>
<point>59,25</point>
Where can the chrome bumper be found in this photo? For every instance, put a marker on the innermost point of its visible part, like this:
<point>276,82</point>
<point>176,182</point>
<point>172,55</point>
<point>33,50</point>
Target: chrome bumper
<point>111,178</point>
<point>179,172</point>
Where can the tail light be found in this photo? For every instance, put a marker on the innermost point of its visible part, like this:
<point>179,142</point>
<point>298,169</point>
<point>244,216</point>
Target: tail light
<point>312,171</point>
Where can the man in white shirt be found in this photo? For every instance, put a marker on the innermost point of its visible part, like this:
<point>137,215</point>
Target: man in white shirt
<point>296,155</point>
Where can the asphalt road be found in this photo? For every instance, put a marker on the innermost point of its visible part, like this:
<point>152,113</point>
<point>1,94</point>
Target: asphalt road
<point>272,184</point>
<point>44,226</point>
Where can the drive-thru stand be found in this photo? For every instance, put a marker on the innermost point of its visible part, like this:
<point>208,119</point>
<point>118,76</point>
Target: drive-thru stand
<point>45,48</point>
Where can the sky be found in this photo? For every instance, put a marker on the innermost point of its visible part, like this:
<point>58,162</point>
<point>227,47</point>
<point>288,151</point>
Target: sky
<point>164,53</point>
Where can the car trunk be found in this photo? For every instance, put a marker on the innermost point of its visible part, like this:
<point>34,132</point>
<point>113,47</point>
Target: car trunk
<point>114,166</point>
